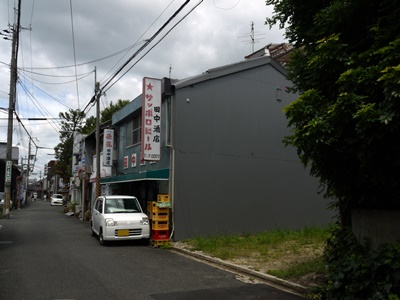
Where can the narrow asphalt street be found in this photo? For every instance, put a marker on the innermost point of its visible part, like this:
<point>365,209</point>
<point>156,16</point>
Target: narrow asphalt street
<point>45,254</point>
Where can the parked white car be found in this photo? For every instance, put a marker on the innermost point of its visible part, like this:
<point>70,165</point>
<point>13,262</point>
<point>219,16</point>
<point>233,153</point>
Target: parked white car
<point>117,217</point>
<point>57,199</point>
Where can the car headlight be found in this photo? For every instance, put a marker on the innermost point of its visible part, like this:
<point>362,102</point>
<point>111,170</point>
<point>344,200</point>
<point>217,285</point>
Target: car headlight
<point>110,222</point>
<point>144,221</point>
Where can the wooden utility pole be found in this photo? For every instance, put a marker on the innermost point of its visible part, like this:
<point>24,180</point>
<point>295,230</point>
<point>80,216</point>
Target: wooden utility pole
<point>11,106</point>
<point>98,94</point>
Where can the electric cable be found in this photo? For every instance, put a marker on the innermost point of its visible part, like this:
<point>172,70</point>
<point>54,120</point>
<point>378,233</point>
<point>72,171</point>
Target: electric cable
<point>148,41</point>
<point>52,75</point>
<point>156,43</point>
<point>32,97</point>
<point>73,45</point>
<point>138,39</point>
<point>87,63</point>
<point>47,94</point>
<point>59,83</point>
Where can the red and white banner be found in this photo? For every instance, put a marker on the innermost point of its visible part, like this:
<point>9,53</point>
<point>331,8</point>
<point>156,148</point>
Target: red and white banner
<point>151,119</point>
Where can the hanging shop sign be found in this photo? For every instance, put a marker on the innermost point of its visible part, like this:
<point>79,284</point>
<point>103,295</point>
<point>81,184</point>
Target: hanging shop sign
<point>151,119</point>
<point>108,144</point>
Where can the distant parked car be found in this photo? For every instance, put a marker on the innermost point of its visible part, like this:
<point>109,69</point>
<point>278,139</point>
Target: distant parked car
<point>56,199</point>
<point>3,201</point>
<point>116,218</point>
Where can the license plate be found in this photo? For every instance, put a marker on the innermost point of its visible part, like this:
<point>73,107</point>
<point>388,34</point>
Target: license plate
<point>123,232</point>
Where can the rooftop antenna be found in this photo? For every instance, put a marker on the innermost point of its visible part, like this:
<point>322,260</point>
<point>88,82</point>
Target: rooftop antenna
<point>253,37</point>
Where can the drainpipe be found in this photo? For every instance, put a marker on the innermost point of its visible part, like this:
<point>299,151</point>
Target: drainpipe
<point>169,140</point>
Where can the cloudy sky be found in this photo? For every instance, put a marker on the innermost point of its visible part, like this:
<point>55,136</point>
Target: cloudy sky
<point>60,48</point>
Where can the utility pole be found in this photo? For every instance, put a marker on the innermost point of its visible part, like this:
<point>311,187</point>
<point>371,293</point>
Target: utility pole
<point>98,94</point>
<point>11,106</point>
<point>28,170</point>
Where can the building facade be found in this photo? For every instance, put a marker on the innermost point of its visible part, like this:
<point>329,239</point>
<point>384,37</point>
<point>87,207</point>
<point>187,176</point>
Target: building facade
<point>222,158</point>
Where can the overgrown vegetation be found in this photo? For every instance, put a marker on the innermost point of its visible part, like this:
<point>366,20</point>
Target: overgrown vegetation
<point>288,254</point>
<point>344,267</point>
<point>346,69</point>
<point>356,272</point>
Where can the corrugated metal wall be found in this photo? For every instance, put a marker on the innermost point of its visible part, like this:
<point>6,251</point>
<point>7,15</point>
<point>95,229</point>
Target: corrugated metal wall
<point>232,171</point>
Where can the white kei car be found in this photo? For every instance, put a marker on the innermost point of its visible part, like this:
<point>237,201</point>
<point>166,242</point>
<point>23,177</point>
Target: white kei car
<point>57,199</point>
<point>117,217</point>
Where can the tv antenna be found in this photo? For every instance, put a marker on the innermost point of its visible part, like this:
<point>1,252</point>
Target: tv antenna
<point>254,37</point>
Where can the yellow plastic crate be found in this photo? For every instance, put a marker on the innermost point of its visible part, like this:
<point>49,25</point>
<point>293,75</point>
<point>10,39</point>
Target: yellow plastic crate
<point>159,225</point>
<point>159,243</point>
<point>160,216</point>
<point>163,198</point>
<point>156,208</point>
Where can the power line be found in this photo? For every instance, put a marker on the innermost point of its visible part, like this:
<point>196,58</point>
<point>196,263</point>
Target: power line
<point>55,127</point>
<point>148,41</point>
<point>52,97</point>
<point>57,83</point>
<point>89,62</point>
<point>155,44</point>
<point>73,45</point>
<point>52,75</point>
<point>139,38</point>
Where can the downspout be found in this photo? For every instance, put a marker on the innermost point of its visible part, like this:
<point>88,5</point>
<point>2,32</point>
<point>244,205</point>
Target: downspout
<point>171,183</point>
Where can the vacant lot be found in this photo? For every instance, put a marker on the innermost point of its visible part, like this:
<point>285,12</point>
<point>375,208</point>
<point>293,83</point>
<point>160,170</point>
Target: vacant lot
<point>291,255</point>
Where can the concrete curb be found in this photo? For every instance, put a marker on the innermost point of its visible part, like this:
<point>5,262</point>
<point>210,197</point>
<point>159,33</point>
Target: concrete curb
<point>275,281</point>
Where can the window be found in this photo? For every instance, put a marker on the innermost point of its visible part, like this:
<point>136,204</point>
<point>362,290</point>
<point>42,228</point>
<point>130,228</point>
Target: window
<point>122,206</point>
<point>99,205</point>
<point>134,130</point>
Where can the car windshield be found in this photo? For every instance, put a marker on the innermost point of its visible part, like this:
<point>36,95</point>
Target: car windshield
<point>57,196</point>
<point>122,205</point>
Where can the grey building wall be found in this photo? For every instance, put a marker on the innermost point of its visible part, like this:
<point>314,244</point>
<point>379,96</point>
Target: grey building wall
<point>232,172</point>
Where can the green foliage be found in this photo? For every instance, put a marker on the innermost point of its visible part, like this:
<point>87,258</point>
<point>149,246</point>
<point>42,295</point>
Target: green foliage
<point>299,269</point>
<point>105,115</point>
<point>71,122</point>
<point>346,68</point>
<point>356,272</point>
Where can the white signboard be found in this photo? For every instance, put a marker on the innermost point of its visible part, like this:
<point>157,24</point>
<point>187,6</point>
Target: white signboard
<point>8,172</point>
<point>133,160</point>
<point>108,144</point>
<point>151,119</point>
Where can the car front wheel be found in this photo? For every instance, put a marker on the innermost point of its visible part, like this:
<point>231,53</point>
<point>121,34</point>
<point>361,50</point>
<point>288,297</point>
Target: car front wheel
<point>101,239</point>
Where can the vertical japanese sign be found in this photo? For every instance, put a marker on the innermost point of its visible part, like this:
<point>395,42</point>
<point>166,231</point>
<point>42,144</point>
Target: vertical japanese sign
<point>8,172</point>
<point>151,119</point>
<point>108,144</point>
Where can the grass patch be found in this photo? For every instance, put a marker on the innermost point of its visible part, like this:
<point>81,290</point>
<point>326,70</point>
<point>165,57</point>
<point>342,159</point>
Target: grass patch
<point>282,253</point>
<point>296,270</point>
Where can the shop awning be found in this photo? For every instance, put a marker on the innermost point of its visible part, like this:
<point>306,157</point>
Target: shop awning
<point>162,174</point>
